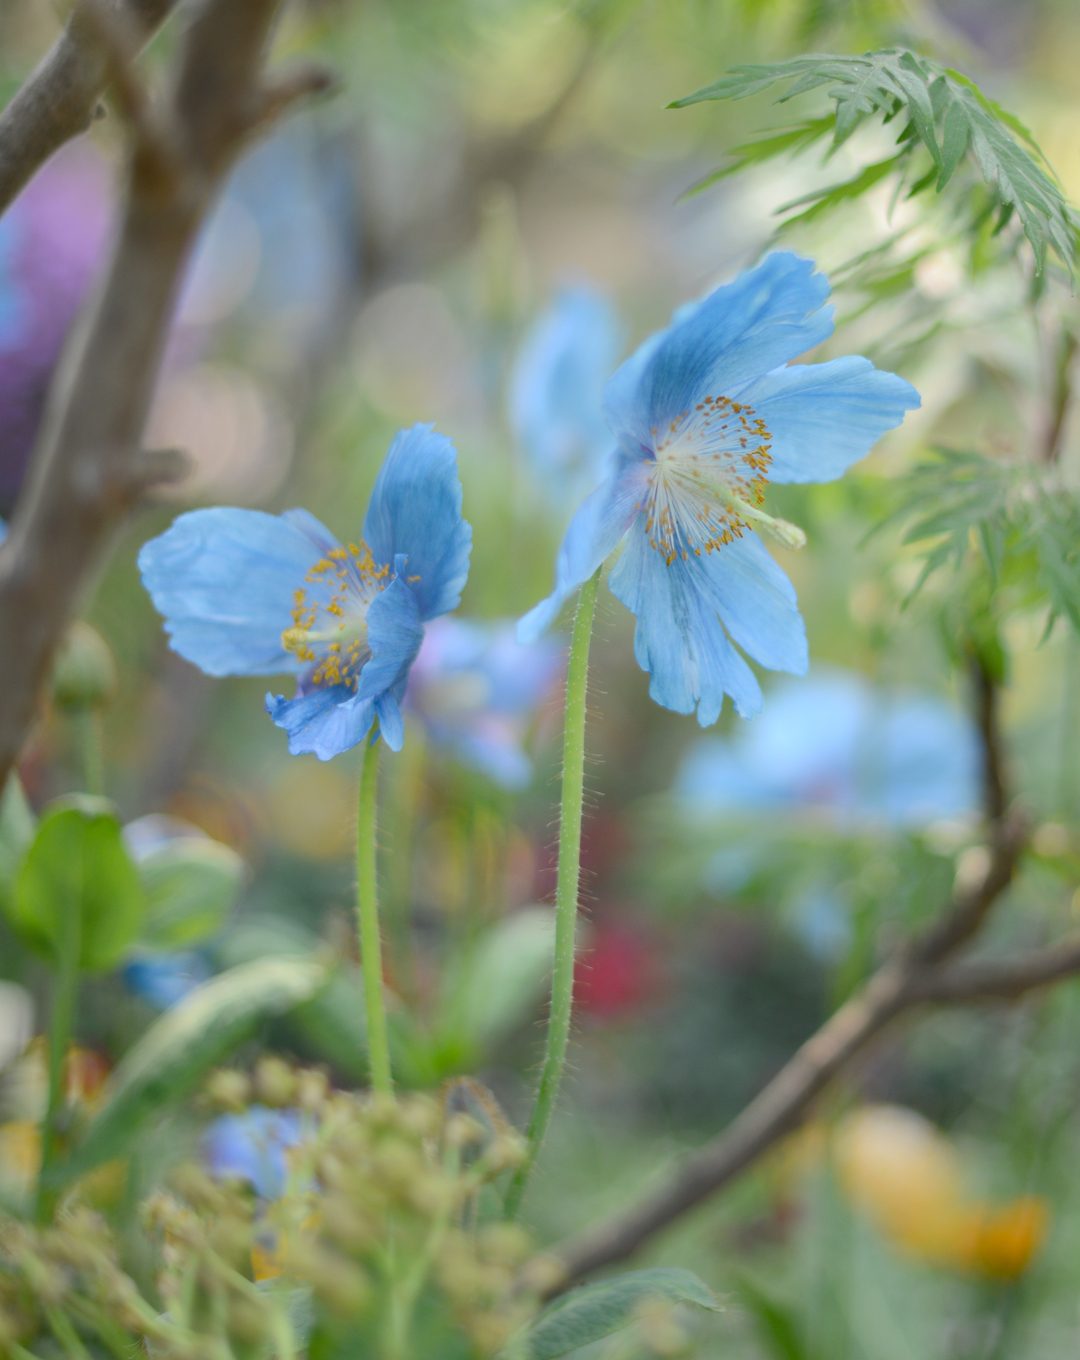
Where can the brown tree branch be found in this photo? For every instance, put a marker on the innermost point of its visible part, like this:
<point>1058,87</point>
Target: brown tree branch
<point>1006,981</point>
<point>58,100</point>
<point>914,976</point>
<point>87,472</point>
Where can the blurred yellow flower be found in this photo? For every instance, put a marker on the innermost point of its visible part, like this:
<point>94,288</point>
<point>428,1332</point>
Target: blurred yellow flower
<point>909,1179</point>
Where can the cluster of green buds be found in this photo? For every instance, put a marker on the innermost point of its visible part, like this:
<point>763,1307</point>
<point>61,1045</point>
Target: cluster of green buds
<point>65,1282</point>
<point>382,1221</point>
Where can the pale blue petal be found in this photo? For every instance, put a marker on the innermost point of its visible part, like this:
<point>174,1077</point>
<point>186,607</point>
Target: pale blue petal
<point>824,417</point>
<point>416,510</point>
<point>3,531</point>
<point>224,579</point>
<point>555,392</point>
<point>394,636</point>
<point>679,639</point>
<point>764,318</point>
<point>323,722</point>
<point>594,533</point>
<point>755,600</point>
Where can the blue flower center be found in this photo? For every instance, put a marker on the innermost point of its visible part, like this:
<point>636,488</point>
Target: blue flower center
<point>329,627</point>
<point>707,483</point>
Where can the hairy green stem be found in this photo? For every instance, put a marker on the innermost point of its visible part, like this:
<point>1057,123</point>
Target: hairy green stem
<point>367,910</point>
<point>566,889</point>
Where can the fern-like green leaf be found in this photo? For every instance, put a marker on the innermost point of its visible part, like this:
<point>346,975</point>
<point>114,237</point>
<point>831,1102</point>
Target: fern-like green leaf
<point>947,114</point>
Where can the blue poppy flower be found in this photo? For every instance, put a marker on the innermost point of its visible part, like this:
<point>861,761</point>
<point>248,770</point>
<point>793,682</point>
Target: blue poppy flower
<point>475,689</point>
<point>835,743</point>
<point>555,392</point>
<point>247,593</point>
<point>707,413</point>
<point>252,1147</point>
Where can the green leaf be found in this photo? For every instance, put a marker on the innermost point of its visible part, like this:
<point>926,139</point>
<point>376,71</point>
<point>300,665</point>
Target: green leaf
<point>177,1051</point>
<point>597,1310</point>
<point>78,874</point>
<point>777,1322</point>
<point>497,986</point>
<point>191,886</point>
<point>18,825</point>
<point>333,1021</point>
<point>948,115</point>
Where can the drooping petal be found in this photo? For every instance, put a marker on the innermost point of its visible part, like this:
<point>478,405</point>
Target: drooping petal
<point>322,722</point>
<point>764,318</point>
<point>678,639</point>
<point>599,523</point>
<point>683,609</point>
<point>394,636</point>
<point>416,510</point>
<point>824,417</point>
<point>224,579</point>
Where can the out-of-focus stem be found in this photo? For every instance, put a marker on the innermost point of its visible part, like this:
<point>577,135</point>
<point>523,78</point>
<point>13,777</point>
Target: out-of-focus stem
<point>566,891</point>
<point>367,910</point>
<point>65,996</point>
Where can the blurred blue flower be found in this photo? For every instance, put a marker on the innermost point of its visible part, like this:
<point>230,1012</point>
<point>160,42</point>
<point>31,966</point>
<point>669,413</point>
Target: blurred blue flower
<point>556,388</point>
<point>252,1147</point>
<point>278,249</point>
<point>834,742</point>
<point>706,413</point>
<point>247,593</point>
<point>166,978</point>
<point>475,689</point>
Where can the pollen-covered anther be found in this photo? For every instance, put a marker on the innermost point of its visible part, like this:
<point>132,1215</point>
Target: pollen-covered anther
<point>329,627</point>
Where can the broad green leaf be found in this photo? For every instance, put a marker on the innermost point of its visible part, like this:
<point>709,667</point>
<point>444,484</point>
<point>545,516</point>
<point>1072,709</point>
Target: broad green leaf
<point>333,1021</point>
<point>78,875</point>
<point>177,1051</point>
<point>18,826</point>
<point>947,114</point>
<point>191,885</point>
<point>499,983</point>
<point>596,1310</point>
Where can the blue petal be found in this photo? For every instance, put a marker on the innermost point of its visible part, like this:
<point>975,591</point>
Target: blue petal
<point>680,607</point>
<point>416,510</point>
<point>556,387</point>
<point>766,317</point>
<point>3,531</point>
<point>594,533</point>
<point>824,417</point>
<point>224,580</point>
<point>251,1146</point>
<point>323,722</point>
<point>678,638</point>
<point>394,635</point>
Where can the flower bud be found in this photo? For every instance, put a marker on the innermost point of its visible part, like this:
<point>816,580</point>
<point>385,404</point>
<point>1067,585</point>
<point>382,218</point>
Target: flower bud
<point>229,1090</point>
<point>275,1082</point>
<point>84,673</point>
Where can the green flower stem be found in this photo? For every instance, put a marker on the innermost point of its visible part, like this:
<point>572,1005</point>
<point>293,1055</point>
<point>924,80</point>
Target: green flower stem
<point>64,1000</point>
<point>566,889</point>
<point>87,725</point>
<point>367,910</point>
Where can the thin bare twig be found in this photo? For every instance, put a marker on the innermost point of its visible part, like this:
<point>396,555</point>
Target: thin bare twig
<point>988,980</point>
<point>88,472</point>
<point>58,100</point>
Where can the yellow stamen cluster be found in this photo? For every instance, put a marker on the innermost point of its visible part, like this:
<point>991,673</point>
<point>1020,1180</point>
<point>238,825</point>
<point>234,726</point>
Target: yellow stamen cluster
<point>339,645</point>
<point>710,475</point>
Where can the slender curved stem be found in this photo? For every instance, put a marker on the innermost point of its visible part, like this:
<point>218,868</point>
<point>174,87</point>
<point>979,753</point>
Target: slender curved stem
<point>566,891</point>
<point>367,911</point>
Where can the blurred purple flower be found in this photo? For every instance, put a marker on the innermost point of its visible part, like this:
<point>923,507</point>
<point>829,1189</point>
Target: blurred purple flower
<point>834,741</point>
<point>252,1147</point>
<point>475,689</point>
<point>52,240</point>
<point>556,388</point>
